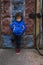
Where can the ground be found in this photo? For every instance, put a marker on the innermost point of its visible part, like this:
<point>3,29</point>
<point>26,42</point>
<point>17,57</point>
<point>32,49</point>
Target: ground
<point>26,57</point>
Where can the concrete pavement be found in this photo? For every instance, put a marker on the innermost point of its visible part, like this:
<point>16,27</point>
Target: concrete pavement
<point>26,57</point>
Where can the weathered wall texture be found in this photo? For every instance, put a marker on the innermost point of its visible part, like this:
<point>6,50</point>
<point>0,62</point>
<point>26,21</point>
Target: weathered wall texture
<point>29,8</point>
<point>7,18</point>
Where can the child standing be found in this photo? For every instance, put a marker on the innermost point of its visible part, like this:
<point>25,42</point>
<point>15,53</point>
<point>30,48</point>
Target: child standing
<point>18,27</point>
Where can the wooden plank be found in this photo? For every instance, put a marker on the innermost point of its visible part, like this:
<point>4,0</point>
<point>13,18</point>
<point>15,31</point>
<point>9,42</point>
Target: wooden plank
<point>37,19</point>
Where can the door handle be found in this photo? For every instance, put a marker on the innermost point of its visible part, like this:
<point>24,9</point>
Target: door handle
<point>34,15</point>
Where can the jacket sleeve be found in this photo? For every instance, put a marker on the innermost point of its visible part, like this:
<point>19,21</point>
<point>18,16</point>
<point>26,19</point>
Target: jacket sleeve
<point>11,26</point>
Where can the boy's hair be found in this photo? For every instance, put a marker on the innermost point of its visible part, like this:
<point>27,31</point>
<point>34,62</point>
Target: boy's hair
<point>19,14</point>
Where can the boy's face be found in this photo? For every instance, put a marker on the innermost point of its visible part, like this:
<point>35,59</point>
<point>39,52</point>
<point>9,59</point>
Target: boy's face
<point>18,19</point>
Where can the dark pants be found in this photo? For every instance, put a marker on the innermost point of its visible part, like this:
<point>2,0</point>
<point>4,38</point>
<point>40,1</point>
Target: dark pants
<point>17,41</point>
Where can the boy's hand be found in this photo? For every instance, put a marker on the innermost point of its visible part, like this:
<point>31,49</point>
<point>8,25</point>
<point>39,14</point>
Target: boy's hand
<point>23,27</point>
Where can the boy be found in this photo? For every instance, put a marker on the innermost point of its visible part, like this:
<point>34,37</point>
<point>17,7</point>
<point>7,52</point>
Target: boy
<point>18,27</point>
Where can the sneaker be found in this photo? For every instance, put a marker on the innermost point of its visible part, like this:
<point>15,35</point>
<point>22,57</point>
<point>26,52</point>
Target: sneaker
<point>17,51</point>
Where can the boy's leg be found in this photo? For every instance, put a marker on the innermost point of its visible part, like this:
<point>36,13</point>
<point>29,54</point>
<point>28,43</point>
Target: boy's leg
<point>18,43</point>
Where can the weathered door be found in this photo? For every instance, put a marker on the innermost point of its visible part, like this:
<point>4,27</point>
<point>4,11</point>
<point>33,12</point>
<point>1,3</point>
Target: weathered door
<point>8,10</point>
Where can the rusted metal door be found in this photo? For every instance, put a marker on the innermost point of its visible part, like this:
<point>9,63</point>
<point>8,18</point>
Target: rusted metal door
<point>9,8</point>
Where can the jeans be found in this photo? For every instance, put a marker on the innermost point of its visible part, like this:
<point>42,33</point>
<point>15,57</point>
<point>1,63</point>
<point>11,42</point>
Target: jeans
<point>17,41</point>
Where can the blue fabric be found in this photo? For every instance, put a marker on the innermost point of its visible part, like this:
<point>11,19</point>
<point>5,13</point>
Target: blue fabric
<point>17,27</point>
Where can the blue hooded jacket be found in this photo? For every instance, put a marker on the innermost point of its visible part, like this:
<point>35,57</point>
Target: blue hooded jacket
<point>18,28</point>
